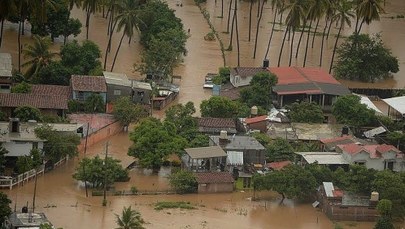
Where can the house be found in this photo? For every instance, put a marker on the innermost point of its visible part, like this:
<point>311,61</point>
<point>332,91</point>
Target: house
<point>396,107</point>
<point>329,144</point>
<point>332,160</point>
<point>309,84</point>
<point>253,151</point>
<point>258,123</point>
<point>378,157</point>
<point>230,92</point>
<point>5,72</point>
<point>142,92</point>
<point>241,76</point>
<point>49,99</point>
<point>210,125</point>
<point>211,158</point>
<point>341,205</point>
<point>214,182</point>
<point>118,85</point>
<point>19,138</point>
<point>26,220</point>
<point>84,86</point>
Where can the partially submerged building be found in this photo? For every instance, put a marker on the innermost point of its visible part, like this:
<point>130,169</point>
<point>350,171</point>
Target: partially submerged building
<point>201,159</point>
<point>208,125</point>
<point>26,221</point>
<point>214,182</point>
<point>85,86</point>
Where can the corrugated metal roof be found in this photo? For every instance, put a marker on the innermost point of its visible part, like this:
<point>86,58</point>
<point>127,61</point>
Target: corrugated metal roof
<point>397,103</point>
<point>141,85</point>
<point>323,158</point>
<point>328,187</point>
<point>114,78</point>
<point>234,158</point>
<point>205,152</point>
<point>376,131</point>
<point>366,101</point>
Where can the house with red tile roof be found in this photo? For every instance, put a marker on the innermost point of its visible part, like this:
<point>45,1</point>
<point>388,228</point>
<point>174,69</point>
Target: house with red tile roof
<point>309,84</point>
<point>378,157</point>
<point>256,123</point>
<point>213,182</point>
<point>210,125</point>
<point>84,86</point>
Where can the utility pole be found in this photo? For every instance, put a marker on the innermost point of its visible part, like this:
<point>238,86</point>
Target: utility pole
<point>84,156</point>
<point>105,177</point>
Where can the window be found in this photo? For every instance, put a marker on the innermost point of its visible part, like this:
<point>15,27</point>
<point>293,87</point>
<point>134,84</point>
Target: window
<point>360,163</point>
<point>389,165</point>
<point>4,87</point>
<point>117,92</point>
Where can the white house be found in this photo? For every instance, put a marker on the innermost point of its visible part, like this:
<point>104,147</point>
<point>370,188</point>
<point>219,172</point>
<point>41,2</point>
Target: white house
<point>378,157</point>
<point>241,76</point>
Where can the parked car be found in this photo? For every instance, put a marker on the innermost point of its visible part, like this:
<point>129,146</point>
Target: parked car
<point>209,80</point>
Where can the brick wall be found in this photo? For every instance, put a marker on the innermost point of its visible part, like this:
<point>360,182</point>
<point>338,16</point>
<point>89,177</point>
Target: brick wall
<point>100,135</point>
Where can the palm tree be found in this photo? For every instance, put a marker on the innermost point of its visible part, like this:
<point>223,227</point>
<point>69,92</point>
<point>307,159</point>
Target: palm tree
<point>276,5</point>
<point>73,3</point>
<point>129,219</point>
<point>250,17</point>
<point>115,6</point>
<point>91,6</point>
<point>229,16</point>
<point>323,6</point>
<point>368,11</point>
<point>39,55</point>
<point>258,27</point>
<point>343,17</point>
<point>128,21</point>
<point>329,12</point>
<point>7,7</point>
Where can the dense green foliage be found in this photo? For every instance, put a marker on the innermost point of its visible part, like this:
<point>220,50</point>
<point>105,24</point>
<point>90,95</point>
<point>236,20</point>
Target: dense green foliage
<point>305,112</point>
<point>125,111</point>
<point>94,104</point>
<point>98,171</point>
<point>181,116</point>
<point>348,110</point>
<point>183,181</point>
<point>5,209</point>
<point>222,107</point>
<point>365,58</point>
<point>258,93</point>
<point>26,113</point>
<point>223,76</point>
<point>129,219</point>
<point>279,149</point>
<point>3,152</point>
<point>22,87</point>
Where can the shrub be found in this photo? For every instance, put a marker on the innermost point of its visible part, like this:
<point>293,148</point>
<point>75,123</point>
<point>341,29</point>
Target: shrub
<point>183,181</point>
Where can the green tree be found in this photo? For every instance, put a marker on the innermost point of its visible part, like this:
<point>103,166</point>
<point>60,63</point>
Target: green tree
<point>129,219</point>
<point>181,116</point>
<point>384,207</point>
<point>81,59</point>
<point>279,149</point>
<point>199,140</point>
<point>183,181</point>
<point>94,104</point>
<point>26,113</point>
<point>154,141</point>
<point>259,91</point>
<point>24,164</point>
<point>321,173</point>
<point>98,171</point>
<point>5,209</point>
<point>306,113</point>
<point>365,58</point>
<point>22,87</point>
<point>38,54</point>
<point>348,110</point>
<point>368,11</point>
<point>218,107</point>
<point>3,152</point>
<point>55,74</point>
<point>384,222</point>
<point>126,111</point>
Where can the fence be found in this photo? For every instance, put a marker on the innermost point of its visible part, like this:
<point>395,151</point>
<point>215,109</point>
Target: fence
<point>100,135</point>
<point>9,182</point>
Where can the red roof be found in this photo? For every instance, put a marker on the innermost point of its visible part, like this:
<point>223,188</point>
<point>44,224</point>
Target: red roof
<point>88,83</point>
<point>56,90</point>
<point>337,193</point>
<point>256,119</point>
<point>214,177</point>
<point>338,139</point>
<point>278,165</point>
<point>375,151</point>
<point>33,100</point>
<point>297,75</point>
<point>318,75</point>
<point>315,91</point>
<point>216,122</point>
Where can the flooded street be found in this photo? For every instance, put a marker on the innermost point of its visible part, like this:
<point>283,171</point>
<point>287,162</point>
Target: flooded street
<point>63,199</point>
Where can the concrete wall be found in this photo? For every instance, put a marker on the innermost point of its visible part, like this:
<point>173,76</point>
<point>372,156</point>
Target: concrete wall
<point>145,99</point>
<point>215,188</point>
<point>375,163</point>
<point>100,135</point>
<point>17,149</point>
<point>253,156</point>
<point>262,126</point>
<point>238,81</point>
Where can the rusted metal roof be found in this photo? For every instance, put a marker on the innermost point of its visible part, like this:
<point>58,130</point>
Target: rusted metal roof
<point>88,83</point>
<point>214,178</point>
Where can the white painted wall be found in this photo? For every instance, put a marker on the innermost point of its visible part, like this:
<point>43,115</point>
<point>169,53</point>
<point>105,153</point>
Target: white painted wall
<point>376,163</point>
<point>238,81</point>
<point>17,149</point>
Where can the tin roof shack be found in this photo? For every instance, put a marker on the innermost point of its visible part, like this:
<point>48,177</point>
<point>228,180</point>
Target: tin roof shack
<point>253,151</point>
<point>396,107</point>
<point>118,85</point>
<point>330,159</point>
<point>5,72</point>
<point>310,84</point>
<point>202,159</point>
<point>258,123</point>
<point>341,205</point>
<point>26,220</point>
<point>142,92</point>
<point>210,125</point>
<point>166,94</point>
<point>214,182</point>
<point>314,132</point>
<point>84,86</point>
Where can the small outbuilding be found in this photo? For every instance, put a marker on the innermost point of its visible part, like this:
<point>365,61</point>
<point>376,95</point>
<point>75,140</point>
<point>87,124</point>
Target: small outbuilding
<point>211,158</point>
<point>214,182</point>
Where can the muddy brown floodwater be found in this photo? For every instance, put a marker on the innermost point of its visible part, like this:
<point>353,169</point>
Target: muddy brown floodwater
<point>63,199</point>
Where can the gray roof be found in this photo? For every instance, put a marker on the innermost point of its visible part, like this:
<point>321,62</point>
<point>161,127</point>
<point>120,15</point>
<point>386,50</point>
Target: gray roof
<point>328,187</point>
<point>28,220</point>
<point>205,152</point>
<point>238,143</point>
<point>323,158</point>
<point>141,85</point>
<point>114,78</point>
<point>322,88</point>
<point>316,131</point>
<point>5,65</point>
<point>373,132</point>
<point>397,103</point>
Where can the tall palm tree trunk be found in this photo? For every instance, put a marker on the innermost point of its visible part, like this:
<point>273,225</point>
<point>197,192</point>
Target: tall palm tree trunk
<point>282,46</point>
<point>1,31</point>
<point>334,48</point>
<point>299,40</point>
<point>258,27</point>
<point>88,13</point>
<point>116,53</point>
<point>313,35</point>
<point>323,41</point>
<point>110,36</point>
<point>361,25</point>
<point>231,40</point>
<point>229,16</point>
<point>357,24</point>
<point>306,46</point>
<point>271,34</point>
<point>222,8</point>
<point>237,31</point>
<point>250,18</point>
<point>258,9</point>
<point>330,26</point>
<point>292,47</point>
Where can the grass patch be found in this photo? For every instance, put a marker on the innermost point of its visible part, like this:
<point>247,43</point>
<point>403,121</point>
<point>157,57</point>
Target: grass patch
<point>221,210</point>
<point>181,204</point>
